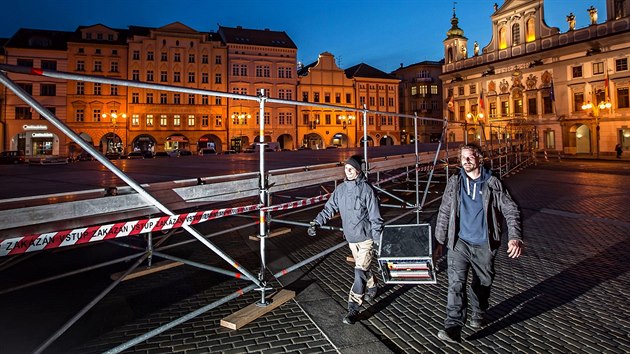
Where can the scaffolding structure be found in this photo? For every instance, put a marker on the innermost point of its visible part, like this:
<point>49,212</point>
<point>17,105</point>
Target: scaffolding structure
<point>418,170</point>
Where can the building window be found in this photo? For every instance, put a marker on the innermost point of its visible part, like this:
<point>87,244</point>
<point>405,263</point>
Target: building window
<point>49,64</point>
<point>362,100</point>
<point>218,121</point>
<point>327,120</point>
<point>191,99</point>
<point>204,100</point>
<point>150,75</point>
<point>135,120</point>
<point>23,113</point>
<point>348,98</point>
<point>135,75</point>
<point>621,64</point>
<point>191,120</point>
<point>135,55</point>
<point>149,98</point>
<point>372,101</point>
<point>79,115</point>
<point>217,59</point>
<point>97,88</point>
<point>518,107</point>
<point>460,91</point>
<point>550,140</point>
<point>532,106</point>
<point>327,97</point>
<point>622,98</point>
<point>502,38</point>
<point>204,120</point>
<point>150,56</point>
<point>96,115</point>
<point>204,78</point>
<point>113,90</point>
<point>505,108</point>
<point>177,57</point>
<point>163,120</point>
<point>191,76</point>
<point>390,101</point>
<point>149,120</point>
<point>25,62</point>
<point>177,98</point>
<point>163,76</point>
<point>473,89</point>
<point>80,65</point>
<point>191,58</point>
<point>462,112</point>
<point>304,96</point>
<point>576,71</point>
<point>315,96</point>
<point>98,66</point>
<point>113,67</point>
<point>163,98</point>
<point>493,110</point>
<point>423,89</point>
<point>217,78</point>
<point>135,97</point>
<point>578,101</point>
<point>176,77</point>
<point>163,56</point>
<point>414,90</point>
<point>204,59</point>
<point>217,101</point>
<point>516,34</point>
<point>80,88</point>
<point>598,68</point>
<point>381,101</point>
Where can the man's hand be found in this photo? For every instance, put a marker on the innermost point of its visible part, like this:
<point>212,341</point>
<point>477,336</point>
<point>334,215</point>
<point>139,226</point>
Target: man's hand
<point>311,230</point>
<point>438,251</point>
<point>515,248</point>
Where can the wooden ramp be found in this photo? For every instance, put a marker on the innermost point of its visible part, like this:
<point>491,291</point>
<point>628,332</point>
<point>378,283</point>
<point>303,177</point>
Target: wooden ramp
<point>142,271</point>
<point>244,316</point>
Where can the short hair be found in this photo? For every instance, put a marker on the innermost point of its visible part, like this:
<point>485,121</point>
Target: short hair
<point>476,149</point>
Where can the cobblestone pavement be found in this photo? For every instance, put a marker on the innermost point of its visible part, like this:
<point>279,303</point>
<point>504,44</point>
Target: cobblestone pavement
<point>567,293</point>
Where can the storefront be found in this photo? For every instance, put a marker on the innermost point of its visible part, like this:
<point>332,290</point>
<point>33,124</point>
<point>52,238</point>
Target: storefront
<point>36,140</point>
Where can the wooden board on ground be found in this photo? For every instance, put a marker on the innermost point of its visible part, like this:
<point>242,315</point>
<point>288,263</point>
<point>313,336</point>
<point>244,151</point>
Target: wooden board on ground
<point>350,259</point>
<point>244,316</point>
<point>274,233</point>
<point>142,271</point>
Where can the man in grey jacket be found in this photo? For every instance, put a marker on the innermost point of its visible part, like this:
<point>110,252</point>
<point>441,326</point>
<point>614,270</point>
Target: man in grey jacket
<point>356,202</point>
<point>469,222</point>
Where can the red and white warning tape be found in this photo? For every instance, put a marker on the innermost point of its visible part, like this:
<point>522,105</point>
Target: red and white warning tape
<point>32,243</point>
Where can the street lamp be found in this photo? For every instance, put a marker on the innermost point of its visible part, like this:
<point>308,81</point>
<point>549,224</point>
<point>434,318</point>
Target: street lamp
<point>111,143</point>
<point>239,118</point>
<point>594,112</point>
<point>345,122</point>
<point>475,118</point>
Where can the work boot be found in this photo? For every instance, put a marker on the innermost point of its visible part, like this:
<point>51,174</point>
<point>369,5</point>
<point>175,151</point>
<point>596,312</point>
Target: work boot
<point>476,320</point>
<point>370,294</point>
<point>353,313</point>
<point>451,335</point>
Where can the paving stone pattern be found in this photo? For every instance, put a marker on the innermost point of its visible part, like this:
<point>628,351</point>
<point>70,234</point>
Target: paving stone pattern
<point>567,293</point>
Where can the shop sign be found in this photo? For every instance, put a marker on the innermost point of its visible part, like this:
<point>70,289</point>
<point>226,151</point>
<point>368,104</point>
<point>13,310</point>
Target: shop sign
<point>35,127</point>
<point>42,135</point>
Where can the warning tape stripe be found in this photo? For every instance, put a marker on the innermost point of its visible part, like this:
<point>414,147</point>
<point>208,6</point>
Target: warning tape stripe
<point>32,243</point>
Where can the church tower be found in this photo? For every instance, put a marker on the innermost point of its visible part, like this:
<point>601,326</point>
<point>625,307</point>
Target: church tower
<point>455,44</point>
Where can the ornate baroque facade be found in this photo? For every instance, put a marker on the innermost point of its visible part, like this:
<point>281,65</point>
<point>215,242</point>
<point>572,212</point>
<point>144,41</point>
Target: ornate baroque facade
<point>550,81</point>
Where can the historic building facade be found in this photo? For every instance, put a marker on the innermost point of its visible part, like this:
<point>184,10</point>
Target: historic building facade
<point>420,93</point>
<point>567,88</point>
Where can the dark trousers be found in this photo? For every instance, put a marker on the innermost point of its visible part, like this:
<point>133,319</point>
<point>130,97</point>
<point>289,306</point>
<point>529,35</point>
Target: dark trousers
<point>464,257</point>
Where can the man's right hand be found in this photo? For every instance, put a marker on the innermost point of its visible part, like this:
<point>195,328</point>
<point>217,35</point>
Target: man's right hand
<point>311,230</point>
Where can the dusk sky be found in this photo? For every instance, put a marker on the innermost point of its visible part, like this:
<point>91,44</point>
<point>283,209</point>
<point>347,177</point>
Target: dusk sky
<point>382,34</point>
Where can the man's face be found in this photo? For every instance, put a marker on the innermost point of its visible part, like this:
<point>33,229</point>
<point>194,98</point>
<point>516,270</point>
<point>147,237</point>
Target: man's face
<point>469,160</point>
<point>351,173</point>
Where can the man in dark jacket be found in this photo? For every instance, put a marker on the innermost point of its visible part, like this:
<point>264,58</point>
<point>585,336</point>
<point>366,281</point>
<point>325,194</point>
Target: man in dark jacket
<point>362,224</point>
<point>469,222</point>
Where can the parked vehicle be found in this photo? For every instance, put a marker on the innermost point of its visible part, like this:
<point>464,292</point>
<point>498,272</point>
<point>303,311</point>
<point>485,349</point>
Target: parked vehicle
<point>147,154</point>
<point>84,156</point>
<point>207,152</point>
<point>185,153</point>
<point>161,154</point>
<point>135,155</point>
<point>113,155</point>
<point>48,160</point>
<point>12,157</point>
<point>228,152</point>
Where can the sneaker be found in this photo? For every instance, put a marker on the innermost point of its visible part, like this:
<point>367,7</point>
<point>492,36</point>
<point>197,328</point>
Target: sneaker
<point>370,294</point>
<point>476,321</point>
<point>353,313</point>
<point>451,338</point>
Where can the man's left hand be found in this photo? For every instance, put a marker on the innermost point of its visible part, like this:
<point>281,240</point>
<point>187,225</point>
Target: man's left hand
<point>515,248</point>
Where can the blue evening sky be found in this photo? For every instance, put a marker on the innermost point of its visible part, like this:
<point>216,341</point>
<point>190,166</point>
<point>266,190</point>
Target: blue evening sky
<point>379,33</point>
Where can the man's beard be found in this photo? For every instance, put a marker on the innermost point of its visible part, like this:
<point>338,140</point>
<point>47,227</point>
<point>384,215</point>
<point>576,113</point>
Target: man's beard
<point>469,167</point>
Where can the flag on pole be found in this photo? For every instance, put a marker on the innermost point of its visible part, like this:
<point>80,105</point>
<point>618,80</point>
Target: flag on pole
<point>451,104</point>
<point>606,82</point>
<point>481,104</point>
<point>552,93</point>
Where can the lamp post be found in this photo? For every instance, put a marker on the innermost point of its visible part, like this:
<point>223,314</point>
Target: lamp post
<point>111,144</point>
<point>476,118</point>
<point>594,112</point>
<point>345,121</point>
<point>240,117</point>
